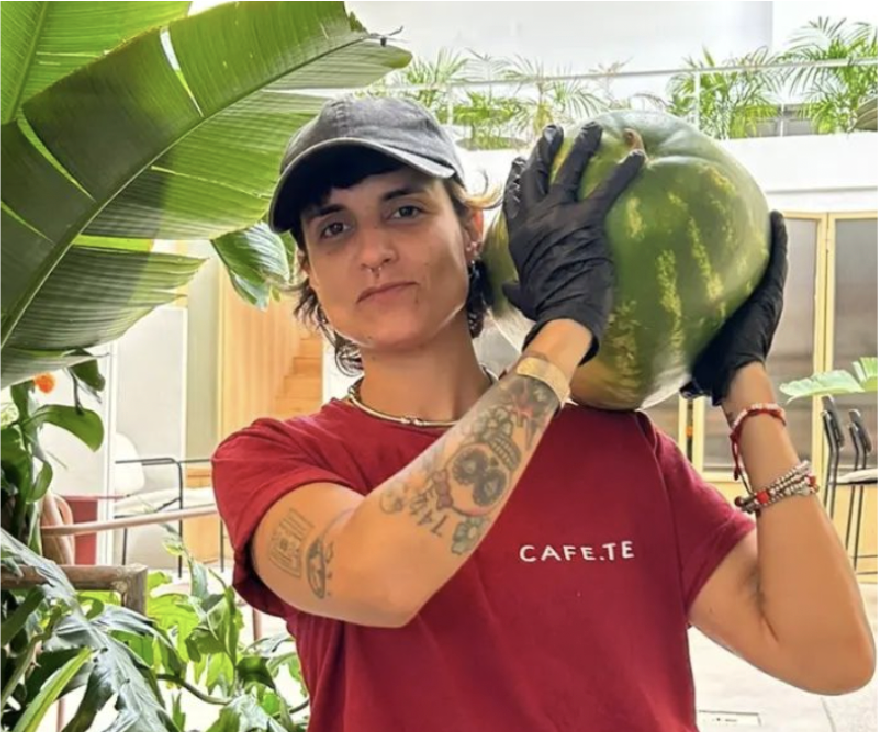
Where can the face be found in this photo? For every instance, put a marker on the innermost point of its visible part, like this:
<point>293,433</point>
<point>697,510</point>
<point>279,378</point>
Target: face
<point>388,260</point>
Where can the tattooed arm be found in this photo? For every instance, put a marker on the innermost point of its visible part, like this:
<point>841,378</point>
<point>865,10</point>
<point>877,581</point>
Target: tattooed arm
<point>376,560</point>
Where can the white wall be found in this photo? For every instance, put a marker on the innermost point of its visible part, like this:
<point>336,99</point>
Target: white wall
<point>575,35</point>
<point>788,17</point>
<point>803,173</point>
<point>151,389</point>
<point>202,361</point>
<point>77,469</point>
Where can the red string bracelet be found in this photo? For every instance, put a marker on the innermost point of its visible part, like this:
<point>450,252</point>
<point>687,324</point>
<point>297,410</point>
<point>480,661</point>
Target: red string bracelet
<point>737,426</point>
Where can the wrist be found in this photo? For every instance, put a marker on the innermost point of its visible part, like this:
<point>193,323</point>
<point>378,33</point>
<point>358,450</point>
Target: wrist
<point>564,343</point>
<point>750,385</point>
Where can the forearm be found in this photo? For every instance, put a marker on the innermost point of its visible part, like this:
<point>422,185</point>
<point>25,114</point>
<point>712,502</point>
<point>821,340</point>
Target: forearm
<point>415,530</point>
<point>808,592</point>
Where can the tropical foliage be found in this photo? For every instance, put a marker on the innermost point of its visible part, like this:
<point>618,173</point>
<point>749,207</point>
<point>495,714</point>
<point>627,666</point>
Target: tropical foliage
<point>524,95</point>
<point>57,641</point>
<point>833,97</point>
<point>726,104</point>
<point>131,122</point>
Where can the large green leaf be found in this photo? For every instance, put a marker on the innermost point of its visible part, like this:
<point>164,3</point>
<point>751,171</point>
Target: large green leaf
<point>134,146</point>
<point>243,713</point>
<point>43,41</point>
<point>92,297</point>
<point>51,691</point>
<point>16,620</point>
<point>81,422</point>
<point>257,262</point>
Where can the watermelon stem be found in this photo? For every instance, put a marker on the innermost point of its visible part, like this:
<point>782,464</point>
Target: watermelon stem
<point>633,139</point>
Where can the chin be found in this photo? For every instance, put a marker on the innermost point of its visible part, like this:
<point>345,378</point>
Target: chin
<point>396,339</point>
<point>398,333</point>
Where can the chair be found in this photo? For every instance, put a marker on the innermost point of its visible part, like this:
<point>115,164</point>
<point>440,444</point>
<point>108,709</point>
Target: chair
<point>858,480</point>
<point>835,443</point>
<point>143,501</point>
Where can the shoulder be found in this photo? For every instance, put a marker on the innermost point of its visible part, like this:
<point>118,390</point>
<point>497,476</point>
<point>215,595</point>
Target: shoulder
<point>269,436</point>
<point>628,425</point>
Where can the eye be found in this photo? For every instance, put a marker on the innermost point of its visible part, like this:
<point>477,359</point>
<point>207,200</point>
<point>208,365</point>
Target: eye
<point>407,211</point>
<point>331,230</point>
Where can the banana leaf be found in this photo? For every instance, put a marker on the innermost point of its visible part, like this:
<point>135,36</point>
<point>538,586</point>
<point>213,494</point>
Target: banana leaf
<point>46,41</point>
<point>174,135</point>
<point>93,296</point>
<point>260,264</point>
<point>836,382</point>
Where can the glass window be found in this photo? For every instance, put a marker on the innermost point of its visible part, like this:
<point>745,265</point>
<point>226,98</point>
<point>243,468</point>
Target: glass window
<point>666,417</point>
<point>792,353</point>
<point>856,312</point>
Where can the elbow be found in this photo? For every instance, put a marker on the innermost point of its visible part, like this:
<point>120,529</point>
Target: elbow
<point>845,669</point>
<point>856,672</point>
<point>385,601</point>
<point>400,605</point>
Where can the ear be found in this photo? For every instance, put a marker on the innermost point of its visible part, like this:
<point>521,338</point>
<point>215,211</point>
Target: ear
<point>302,261</point>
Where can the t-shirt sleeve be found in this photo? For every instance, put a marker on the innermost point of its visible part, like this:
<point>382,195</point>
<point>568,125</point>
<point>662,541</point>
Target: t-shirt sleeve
<point>708,526</point>
<point>251,470</point>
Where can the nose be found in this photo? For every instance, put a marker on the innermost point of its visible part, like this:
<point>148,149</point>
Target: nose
<point>376,249</point>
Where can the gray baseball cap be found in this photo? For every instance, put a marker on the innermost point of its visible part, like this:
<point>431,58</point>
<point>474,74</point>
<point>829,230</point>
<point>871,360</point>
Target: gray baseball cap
<point>400,128</point>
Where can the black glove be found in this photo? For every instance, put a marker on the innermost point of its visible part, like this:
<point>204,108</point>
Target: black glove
<point>557,243</point>
<point>746,337</point>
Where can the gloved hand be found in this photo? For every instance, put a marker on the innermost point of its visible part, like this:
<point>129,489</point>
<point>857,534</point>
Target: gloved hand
<point>557,243</point>
<point>746,337</point>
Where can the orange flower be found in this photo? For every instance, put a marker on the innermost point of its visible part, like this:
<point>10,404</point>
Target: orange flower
<point>45,382</point>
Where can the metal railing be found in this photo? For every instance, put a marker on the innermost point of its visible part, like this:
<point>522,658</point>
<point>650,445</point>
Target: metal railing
<point>608,76</point>
<point>605,75</point>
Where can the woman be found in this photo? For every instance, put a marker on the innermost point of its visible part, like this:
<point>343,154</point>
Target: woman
<point>453,551</point>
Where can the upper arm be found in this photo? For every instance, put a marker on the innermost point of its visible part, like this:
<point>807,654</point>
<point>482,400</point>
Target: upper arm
<point>301,553</point>
<point>728,610</point>
<point>284,513</point>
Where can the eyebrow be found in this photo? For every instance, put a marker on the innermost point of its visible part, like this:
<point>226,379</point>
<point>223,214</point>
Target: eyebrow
<point>327,209</point>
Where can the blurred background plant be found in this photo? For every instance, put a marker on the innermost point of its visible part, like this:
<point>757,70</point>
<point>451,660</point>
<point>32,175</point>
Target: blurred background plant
<point>833,97</point>
<point>724,104</point>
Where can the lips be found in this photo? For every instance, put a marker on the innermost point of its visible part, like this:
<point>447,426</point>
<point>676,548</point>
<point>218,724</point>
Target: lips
<point>378,290</point>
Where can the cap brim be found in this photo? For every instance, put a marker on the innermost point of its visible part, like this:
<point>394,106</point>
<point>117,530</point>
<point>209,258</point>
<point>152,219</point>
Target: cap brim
<point>280,214</point>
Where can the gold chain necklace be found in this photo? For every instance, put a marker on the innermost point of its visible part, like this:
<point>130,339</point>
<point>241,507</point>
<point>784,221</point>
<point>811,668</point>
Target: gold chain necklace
<point>353,396</point>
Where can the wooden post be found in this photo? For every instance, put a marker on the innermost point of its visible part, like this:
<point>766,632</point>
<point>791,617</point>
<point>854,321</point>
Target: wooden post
<point>129,581</point>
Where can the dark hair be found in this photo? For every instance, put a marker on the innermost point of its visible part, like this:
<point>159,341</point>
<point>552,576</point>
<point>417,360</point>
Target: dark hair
<point>356,168</point>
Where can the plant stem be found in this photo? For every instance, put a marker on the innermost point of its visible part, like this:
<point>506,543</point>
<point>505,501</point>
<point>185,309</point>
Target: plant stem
<point>21,666</point>
<point>300,708</point>
<point>204,697</point>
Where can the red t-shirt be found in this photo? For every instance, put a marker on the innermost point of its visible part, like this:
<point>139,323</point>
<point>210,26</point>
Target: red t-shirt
<point>571,615</point>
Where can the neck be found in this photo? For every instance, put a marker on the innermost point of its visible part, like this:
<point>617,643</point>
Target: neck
<point>439,381</point>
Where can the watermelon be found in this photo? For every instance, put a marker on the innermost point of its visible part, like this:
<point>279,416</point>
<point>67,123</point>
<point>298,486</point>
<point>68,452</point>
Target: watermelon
<point>690,241</point>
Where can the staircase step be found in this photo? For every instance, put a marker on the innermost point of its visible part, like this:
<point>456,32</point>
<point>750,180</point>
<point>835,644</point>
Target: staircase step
<point>304,385</point>
<point>290,407</point>
<point>311,346</point>
<point>306,365</point>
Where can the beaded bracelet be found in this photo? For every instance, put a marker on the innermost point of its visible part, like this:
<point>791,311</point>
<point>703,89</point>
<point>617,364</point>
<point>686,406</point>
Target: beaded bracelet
<point>799,481</point>
<point>737,427</point>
